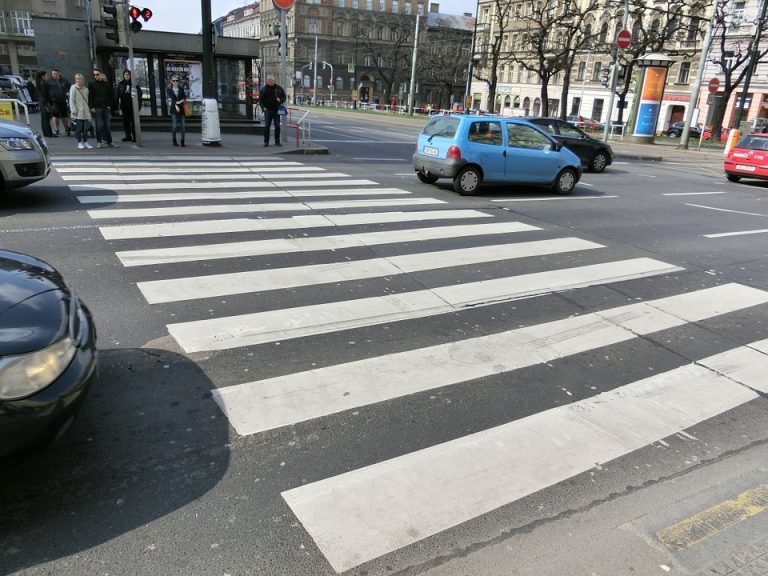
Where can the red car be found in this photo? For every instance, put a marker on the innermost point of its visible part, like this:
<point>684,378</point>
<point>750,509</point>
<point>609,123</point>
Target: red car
<point>748,158</point>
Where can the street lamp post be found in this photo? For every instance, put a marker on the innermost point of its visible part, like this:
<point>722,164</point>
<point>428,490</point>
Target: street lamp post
<point>471,65</point>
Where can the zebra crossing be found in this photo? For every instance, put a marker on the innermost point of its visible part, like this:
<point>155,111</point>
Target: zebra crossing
<point>285,208</point>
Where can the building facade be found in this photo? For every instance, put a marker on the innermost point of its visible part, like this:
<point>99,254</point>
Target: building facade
<point>518,91</point>
<point>360,50</point>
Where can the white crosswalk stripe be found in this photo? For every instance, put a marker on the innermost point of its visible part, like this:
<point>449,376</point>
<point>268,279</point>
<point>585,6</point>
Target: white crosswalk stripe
<point>447,261</point>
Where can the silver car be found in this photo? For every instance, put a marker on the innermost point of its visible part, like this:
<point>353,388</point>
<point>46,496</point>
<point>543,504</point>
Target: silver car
<point>24,157</point>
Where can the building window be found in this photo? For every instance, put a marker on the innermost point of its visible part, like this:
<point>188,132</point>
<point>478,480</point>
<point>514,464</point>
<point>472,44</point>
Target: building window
<point>313,25</point>
<point>395,6</point>
<point>355,4</point>
<point>3,30</point>
<point>575,106</point>
<point>341,3</point>
<point>596,71</point>
<point>380,32</point>
<point>597,109</point>
<point>738,13</point>
<point>20,21</point>
<point>382,5</point>
<point>339,83</point>
<point>694,29</point>
<point>79,3</point>
<point>604,33</point>
<point>582,71</point>
<point>685,71</point>
<point>369,4</point>
<point>368,61</point>
<point>407,6</point>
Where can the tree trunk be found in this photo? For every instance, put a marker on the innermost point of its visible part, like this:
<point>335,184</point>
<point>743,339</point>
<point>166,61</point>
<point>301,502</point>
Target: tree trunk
<point>545,97</point>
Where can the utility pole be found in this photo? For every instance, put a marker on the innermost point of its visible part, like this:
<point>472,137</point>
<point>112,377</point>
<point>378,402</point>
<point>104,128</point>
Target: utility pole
<point>314,75</point>
<point>614,75</point>
<point>412,93</point>
<point>696,86</point>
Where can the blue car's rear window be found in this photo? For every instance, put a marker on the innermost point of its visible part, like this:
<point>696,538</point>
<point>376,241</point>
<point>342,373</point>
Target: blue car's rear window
<point>445,126</point>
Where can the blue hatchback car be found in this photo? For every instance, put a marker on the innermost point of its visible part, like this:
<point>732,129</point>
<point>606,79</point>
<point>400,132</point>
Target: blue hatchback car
<point>472,150</point>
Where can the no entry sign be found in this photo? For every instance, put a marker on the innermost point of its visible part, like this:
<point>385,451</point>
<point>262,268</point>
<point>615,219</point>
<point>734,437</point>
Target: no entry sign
<point>623,38</point>
<point>713,85</point>
<point>283,4</point>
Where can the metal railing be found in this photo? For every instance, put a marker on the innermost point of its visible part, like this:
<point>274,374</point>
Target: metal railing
<point>303,127</point>
<point>16,103</point>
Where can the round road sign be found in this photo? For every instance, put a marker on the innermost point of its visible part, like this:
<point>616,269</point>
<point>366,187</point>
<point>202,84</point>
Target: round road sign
<point>623,38</point>
<point>283,4</point>
<point>714,84</point>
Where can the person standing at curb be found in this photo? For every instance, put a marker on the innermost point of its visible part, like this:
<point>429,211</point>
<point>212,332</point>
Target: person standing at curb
<point>41,83</point>
<point>58,90</point>
<point>271,98</point>
<point>126,105</point>
<point>101,101</point>
<point>176,99</point>
<point>81,110</point>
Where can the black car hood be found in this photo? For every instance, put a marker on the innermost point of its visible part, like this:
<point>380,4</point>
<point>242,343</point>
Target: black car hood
<point>34,304</point>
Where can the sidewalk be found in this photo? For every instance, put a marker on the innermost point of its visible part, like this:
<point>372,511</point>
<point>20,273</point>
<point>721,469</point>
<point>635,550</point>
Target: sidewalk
<point>160,143</point>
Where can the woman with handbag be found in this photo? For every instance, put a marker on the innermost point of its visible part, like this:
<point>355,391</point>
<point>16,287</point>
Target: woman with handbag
<point>177,102</point>
<point>80,110</point>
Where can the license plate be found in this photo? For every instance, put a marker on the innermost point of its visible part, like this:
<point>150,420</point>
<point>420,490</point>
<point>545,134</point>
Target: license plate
<point>745,168</point>
<point>430,151</point>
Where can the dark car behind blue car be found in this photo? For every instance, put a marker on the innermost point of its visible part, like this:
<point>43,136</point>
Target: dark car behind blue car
<point>47,354</point>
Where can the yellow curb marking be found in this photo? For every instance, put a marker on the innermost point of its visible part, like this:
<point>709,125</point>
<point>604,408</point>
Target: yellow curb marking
<point>714,520</point>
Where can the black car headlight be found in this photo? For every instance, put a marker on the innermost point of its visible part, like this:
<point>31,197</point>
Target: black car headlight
<point>16,144</point>
<point>26,374</point>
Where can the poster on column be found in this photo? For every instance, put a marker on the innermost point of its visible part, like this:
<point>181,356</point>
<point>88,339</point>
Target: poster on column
<point>190,73</point>
<point>650,101</point>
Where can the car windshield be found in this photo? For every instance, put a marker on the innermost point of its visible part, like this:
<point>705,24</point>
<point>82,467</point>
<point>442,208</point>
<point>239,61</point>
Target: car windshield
<point>445,126</point>
<point>750,142</point>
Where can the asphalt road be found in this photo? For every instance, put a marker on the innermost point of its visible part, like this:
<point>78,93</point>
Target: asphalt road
<point>309,373</point>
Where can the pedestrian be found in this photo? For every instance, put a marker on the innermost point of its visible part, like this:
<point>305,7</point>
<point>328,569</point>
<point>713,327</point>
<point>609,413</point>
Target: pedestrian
<point>126,105</point>
<point>81,110</point>
<point>101,101</point>
<point>58,92</point>
<point>271,98</point>
<point>176,98</point>
<point>41,80</point>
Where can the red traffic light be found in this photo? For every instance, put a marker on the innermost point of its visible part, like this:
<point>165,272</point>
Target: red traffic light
<point>134,12</point>
<point>146,13</point>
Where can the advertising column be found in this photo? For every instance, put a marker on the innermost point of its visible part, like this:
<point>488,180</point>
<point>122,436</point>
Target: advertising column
<point>651,95</point>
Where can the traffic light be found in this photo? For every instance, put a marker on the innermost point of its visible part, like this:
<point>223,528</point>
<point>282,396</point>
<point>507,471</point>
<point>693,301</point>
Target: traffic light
<point>135,13</point>
<point>621,77</point>
<point>605,75</point>
<point>112,22</point>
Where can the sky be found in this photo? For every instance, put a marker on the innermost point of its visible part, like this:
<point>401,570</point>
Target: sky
<point>185,15</point>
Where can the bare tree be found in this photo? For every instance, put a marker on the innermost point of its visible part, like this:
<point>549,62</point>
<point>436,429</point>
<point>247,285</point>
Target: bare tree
<point>389,43</point>
<point>672,27</point>
<point>442,61</point>
<point>733,48</point>
<point>492,26</point>
<point>546,39</point>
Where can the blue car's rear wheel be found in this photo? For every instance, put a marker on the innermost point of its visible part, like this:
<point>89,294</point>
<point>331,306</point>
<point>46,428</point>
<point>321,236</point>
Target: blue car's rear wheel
<point>467,181</point>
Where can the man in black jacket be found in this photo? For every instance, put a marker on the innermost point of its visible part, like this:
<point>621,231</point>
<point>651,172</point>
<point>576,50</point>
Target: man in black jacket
<point>126,105</point>
<point>58,92</point>
<point>271,98</point>
<point>101,100</point>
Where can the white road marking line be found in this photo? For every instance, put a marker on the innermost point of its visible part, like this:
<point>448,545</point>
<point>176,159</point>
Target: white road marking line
<point>692,193</point>
<point>237,208</point>
<point>283,324</point>
<point>548,198</point>
<point>727,210</point>
<point>142,168</point>
<point>257,406</point>
<point>241,174</point>
<point>177,289</point>
<point>742,233</point>
<point>366,513</point>
<point>287,245</point>
<point>163,161</point>
<point>171,196</point>
<point>383,159</point>
<point>167,229</point>
<point>216,185</point>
